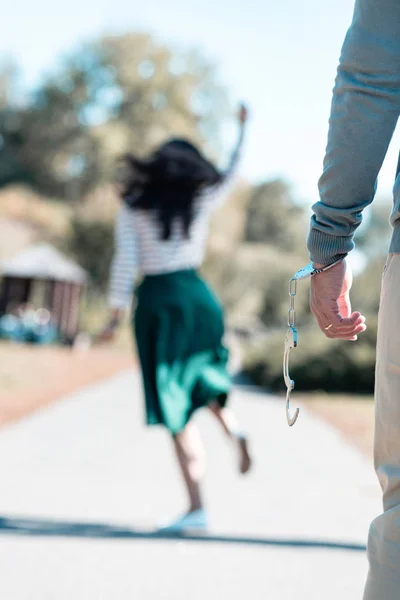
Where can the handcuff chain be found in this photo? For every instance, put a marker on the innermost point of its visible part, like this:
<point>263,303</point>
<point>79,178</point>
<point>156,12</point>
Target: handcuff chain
<point>291,334</point>
<point>292,311</point>
<point>290,343</point>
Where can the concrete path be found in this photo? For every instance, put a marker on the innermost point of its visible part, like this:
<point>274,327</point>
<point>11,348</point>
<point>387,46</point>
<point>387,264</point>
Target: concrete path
<point>81,482</point>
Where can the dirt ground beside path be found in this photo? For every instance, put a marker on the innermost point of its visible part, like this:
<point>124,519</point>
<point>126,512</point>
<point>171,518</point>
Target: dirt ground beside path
<point>352,415</point>
<point>32,377</point>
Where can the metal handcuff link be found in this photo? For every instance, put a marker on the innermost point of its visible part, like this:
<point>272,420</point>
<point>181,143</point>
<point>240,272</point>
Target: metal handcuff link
<point>291,338</point>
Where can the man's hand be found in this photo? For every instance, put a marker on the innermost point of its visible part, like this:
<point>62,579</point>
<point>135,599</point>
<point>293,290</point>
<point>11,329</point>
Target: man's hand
<point>330,303</point>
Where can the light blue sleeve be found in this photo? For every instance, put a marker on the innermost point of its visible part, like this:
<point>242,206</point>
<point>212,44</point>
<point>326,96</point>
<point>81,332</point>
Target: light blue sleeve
<point>364,114</point>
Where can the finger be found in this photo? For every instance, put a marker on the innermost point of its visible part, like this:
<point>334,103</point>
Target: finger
<point>324,325</point>
<point>348,335</point>
<point>330,319</point>
<point>323,320</point>
<point>344,338</point>
<point>360,322</point>
<point>336,320</point>
<point>335,326</point>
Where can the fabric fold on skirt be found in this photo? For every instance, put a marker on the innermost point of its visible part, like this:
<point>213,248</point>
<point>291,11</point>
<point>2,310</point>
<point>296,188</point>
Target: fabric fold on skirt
<point>179,327</point>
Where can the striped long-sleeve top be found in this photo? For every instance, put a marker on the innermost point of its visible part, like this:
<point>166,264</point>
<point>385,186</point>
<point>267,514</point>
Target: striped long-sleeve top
<point>140,249</point>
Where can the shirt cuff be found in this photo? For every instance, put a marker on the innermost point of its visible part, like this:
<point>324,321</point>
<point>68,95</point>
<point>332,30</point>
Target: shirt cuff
<point>115,302</point>
<point>326,249</point>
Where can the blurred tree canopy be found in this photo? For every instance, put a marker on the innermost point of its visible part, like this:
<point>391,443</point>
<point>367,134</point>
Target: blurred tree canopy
<point>129,93</point>
<point>320,363</point>
<point>267,218</point>
<point>115,94</point>
<point>375,230</point>
<point>251,272</point>
<point>91,243</point>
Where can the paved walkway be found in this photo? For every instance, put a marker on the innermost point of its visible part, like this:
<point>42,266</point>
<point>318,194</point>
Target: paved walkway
<point>81,482</point>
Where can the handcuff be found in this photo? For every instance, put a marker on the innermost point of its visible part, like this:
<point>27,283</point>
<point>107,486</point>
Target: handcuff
<point>291,338</point>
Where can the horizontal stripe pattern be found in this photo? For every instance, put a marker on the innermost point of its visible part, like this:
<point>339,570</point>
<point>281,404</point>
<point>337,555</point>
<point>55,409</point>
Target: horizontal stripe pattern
<point>140,249</point>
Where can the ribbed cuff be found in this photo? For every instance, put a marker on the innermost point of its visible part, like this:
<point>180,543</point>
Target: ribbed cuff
<point>118,303</point>
<point>325,248</point>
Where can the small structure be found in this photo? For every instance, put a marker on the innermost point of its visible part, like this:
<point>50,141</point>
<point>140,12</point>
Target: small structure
<point>41,275</point>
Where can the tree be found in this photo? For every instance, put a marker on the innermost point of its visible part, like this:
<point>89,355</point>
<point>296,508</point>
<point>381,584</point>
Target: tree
<point>275,219</point>
<point>91,243</point>
<point>116,94</point>
<point>374,234</point>
<point>11,167</point>
<point>257,243</point>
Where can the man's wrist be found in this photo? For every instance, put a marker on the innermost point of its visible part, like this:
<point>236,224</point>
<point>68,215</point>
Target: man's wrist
<point>329,263</point>
<point>312,269</point>
<point>319,257</point>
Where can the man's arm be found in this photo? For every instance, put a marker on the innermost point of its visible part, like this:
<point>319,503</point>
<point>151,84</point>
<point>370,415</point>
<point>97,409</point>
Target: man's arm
<point>365,110</point>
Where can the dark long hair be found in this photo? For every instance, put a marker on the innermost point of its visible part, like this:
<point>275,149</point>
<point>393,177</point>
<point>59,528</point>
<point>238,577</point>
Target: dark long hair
<point>168,183</point>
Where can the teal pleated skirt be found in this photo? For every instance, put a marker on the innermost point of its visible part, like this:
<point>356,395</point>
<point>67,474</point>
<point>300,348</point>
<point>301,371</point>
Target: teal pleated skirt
<point>179,328</point>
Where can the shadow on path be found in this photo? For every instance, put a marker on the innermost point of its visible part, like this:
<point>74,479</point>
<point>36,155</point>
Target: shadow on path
<point>48,528</point>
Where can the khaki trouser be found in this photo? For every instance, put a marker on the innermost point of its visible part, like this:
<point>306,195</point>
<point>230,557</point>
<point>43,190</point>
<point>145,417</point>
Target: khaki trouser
<point>384,538</point>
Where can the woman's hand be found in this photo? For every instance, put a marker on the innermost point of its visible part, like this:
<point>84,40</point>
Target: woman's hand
<point>243,114</point>
<point>108,333</point>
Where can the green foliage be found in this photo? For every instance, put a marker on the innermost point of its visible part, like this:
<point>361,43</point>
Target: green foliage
<point>253,284</point>
<point>318,363</point>
<point>251,275</point>
<point>365,294</point>
<point>91,244</point>
<point>113,95</point>
<point>252,279</point>
<point>274,218</point>
<point>373,236</point>
<point>129,93</point>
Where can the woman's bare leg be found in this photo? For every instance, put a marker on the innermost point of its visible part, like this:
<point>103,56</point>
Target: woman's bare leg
<point>230,425</point>
<point>191,458</point>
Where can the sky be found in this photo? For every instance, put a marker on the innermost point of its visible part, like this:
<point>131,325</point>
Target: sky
<point>279,56</point>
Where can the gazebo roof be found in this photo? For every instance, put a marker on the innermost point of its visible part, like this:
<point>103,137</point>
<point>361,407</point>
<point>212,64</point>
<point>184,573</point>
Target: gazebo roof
<point>43,261</point>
